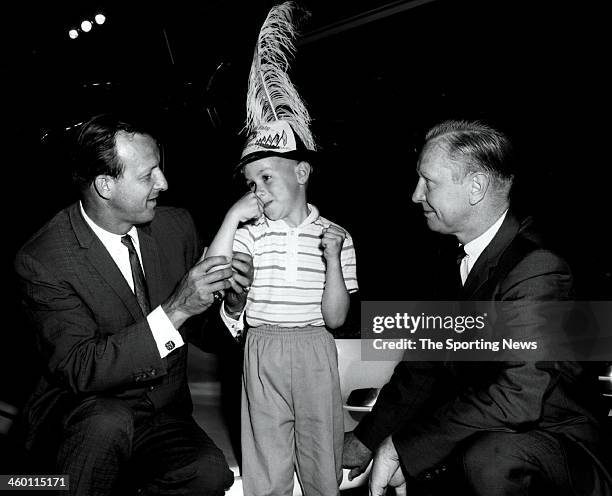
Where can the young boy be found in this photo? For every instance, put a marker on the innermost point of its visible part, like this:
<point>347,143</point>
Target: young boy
<point>304,271</point>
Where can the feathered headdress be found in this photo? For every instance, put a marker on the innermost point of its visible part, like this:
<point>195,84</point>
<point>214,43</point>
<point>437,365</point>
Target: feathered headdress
<point>277,121</point>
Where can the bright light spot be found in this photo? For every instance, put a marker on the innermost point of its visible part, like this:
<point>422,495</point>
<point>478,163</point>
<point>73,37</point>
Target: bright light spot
<point>86,26</point>
<point>100,18</point>
<point>73,33</point>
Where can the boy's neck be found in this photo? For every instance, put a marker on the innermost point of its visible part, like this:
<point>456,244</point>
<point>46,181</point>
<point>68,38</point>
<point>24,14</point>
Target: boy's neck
<point>297,216</point>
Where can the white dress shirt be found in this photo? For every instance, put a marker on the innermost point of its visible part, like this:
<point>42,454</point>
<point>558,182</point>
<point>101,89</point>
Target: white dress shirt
<point>474,248</point>
<point>234,326</point>
<point>166,336</point>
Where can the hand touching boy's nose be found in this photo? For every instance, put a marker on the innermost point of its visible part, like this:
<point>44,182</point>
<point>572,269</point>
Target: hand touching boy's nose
<point>246,208</point>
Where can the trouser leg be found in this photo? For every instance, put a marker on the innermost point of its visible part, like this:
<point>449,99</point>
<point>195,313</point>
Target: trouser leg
<point>267,417</point>
<point>174,456</point>
<point>319,420</point>
<point>534,462</point>
<point>96,444</point>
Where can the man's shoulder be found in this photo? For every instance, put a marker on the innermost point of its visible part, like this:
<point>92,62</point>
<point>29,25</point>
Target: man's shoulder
<point>55,232</point>
<point>173,219</point>
<point>531,256</point>
<point>531,244</point>
<point>166,213</point>
<point>174,231</point>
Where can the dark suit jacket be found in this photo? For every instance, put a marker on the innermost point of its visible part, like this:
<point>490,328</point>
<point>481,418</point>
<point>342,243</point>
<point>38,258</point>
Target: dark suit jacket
<point>92,335</point>
<point>432,407</point>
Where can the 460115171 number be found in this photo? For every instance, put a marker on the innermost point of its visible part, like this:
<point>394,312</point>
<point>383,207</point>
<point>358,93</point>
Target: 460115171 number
<point>40,482</point>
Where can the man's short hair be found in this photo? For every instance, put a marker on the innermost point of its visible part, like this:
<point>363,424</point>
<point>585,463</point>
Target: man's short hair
<point>95,151</point>
<point>477,147</point>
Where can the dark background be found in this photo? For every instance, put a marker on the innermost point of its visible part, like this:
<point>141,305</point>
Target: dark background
<point>375,75</point>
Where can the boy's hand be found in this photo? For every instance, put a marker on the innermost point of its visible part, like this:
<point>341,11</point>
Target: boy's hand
<point>332,240</point>
<point>355,455</point>
<point>248,207</point>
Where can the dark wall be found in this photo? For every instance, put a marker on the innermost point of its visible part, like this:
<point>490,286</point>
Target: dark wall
<point>535,71</point>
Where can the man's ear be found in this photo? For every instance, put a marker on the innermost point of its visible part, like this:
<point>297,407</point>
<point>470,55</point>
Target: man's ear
<point>479,184</point>
<point>302,172</point>
<point>103,185</point>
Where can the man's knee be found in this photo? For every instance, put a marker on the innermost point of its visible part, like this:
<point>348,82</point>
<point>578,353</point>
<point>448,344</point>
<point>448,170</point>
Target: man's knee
<point>494,461</point>
<point>212,474</point>
<point>101,420</point>
<point>205,476</point>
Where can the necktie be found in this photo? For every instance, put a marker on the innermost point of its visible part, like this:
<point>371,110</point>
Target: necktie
<point>461,254</point>
<point>140,284</point>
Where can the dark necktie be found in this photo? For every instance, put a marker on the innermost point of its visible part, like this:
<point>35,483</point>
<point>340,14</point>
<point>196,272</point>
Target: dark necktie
<point>140,284</point>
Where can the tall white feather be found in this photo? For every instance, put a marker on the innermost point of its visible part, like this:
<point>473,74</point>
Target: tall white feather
<point>271,95</point>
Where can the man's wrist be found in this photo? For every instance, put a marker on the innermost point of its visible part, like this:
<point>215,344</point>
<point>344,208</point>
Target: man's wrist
<point>176,316</point>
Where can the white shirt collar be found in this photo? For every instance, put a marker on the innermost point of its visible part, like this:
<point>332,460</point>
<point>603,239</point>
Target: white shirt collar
<point>475,247</point>
<point>109,238</point>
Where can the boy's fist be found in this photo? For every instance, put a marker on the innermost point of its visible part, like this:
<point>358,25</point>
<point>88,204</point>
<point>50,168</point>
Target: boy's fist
<point>332,240</point>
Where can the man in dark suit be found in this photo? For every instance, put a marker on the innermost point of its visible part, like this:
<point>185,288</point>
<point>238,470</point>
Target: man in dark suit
<point>510,427</point>
<point>114,287</point>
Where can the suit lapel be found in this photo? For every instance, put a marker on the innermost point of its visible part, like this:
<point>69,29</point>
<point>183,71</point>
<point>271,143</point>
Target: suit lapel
<point>489,258</point>
<point>99,258</point>
<point>152,264</point>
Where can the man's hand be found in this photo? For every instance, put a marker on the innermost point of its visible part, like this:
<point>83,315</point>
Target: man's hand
<point>194,294</point>
<point>235,297</point>
<point>386,471</point>
<point>332,240</point>
<point>355,456</point>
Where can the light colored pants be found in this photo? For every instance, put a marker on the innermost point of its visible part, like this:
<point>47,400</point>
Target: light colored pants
<point>291,412</point>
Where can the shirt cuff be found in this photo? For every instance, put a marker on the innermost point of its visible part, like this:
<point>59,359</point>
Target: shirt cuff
<point>166,336</point>
<point>234,326</point>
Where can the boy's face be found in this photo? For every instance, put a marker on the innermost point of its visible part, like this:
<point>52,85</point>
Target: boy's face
<point>280,185</point>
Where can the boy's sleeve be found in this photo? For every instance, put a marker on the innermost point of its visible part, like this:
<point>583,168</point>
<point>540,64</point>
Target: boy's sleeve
<point>349,264</point>
<point>244,240</point>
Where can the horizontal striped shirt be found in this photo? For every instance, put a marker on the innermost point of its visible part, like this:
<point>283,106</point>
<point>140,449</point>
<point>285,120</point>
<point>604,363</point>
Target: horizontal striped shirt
<point>289,278</point>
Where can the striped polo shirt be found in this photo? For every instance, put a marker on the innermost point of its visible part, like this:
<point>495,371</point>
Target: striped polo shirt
<point>289,267</point>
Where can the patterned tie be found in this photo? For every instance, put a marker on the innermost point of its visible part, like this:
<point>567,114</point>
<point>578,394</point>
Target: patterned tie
<point>140,284</point>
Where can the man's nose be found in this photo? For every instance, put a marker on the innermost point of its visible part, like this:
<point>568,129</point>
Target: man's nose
<point>418,196</point>
<point>160,182</point>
